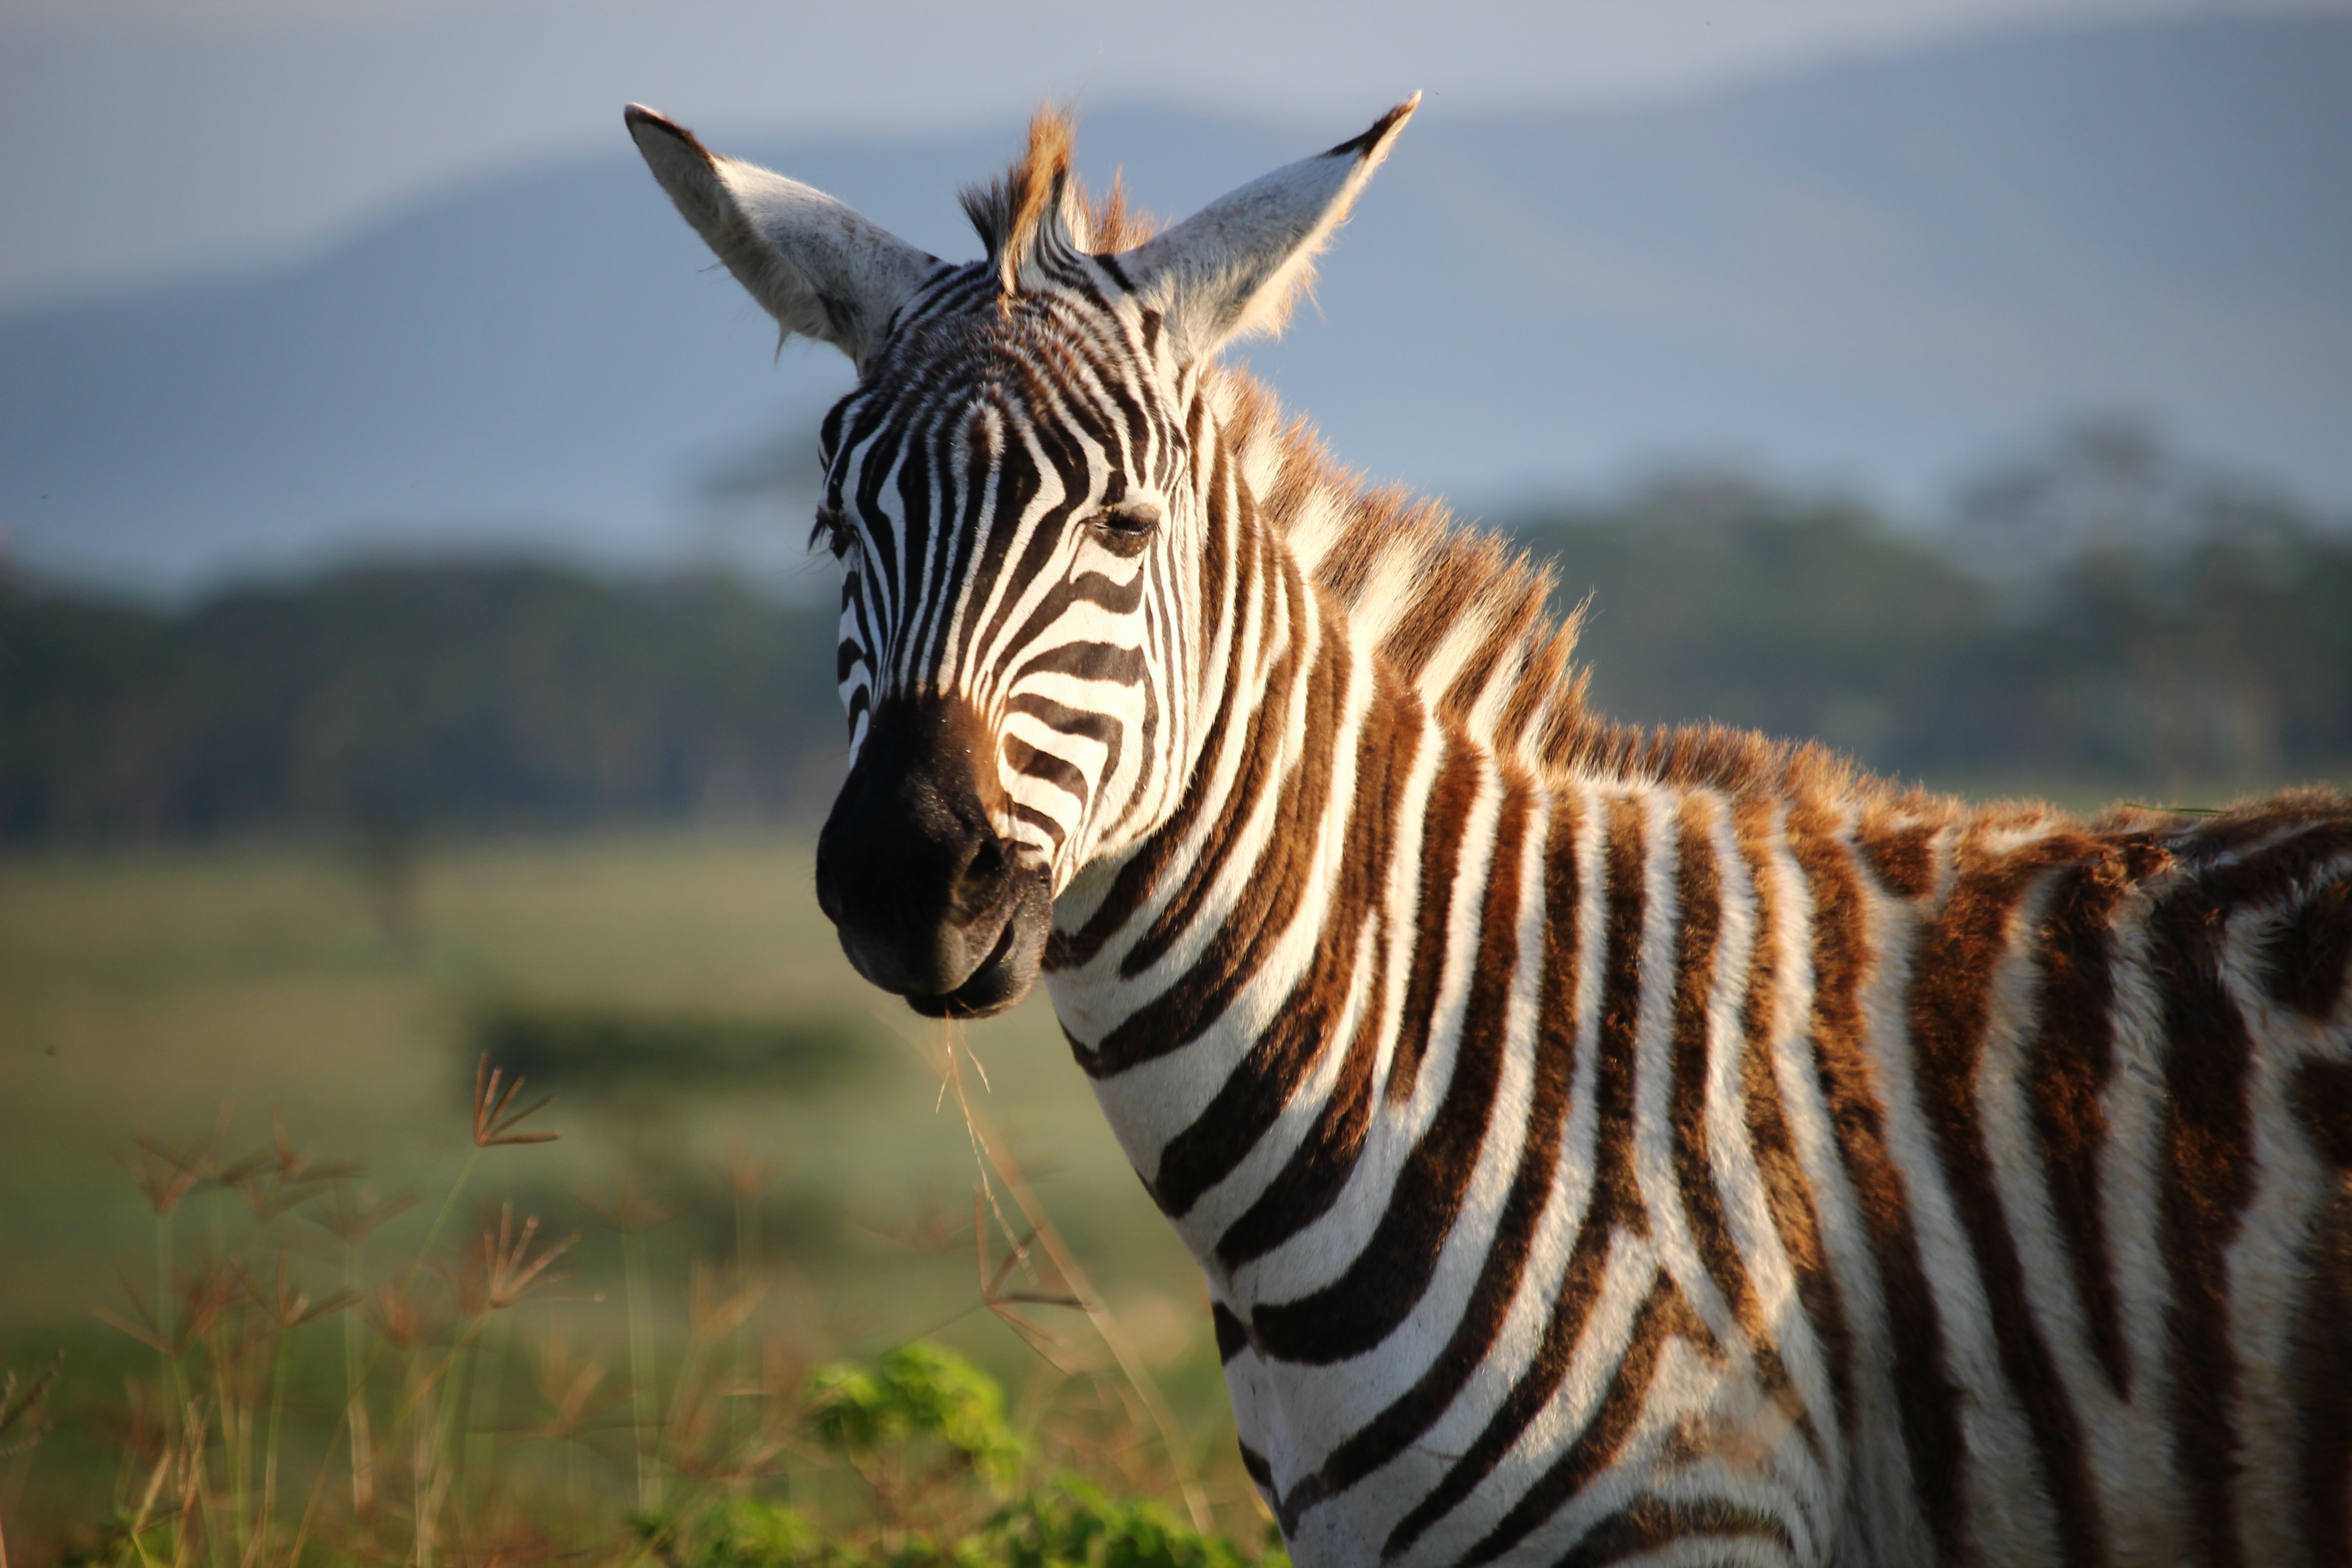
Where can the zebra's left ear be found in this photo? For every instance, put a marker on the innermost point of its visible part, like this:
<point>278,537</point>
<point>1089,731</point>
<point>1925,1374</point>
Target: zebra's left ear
<point>1237,266</point>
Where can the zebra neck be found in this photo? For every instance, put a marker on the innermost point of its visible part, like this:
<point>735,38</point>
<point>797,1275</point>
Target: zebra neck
<point>1243,967</point>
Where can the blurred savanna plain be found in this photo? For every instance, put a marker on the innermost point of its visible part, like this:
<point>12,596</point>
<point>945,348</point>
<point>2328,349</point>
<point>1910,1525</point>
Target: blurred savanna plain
<point>303,880</point>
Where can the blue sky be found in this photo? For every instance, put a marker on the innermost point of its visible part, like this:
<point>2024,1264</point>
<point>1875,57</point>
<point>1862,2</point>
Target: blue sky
<point>141,139</point>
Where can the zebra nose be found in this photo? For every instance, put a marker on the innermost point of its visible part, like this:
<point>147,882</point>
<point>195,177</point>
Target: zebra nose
<point>909,868</point>
<point>909,919</point>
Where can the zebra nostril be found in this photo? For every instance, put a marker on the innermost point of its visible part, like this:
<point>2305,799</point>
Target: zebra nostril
<point>983,878</point>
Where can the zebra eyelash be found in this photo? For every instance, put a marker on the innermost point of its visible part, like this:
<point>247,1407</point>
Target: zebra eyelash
<point>1125,529</point>
<point>831,531</point>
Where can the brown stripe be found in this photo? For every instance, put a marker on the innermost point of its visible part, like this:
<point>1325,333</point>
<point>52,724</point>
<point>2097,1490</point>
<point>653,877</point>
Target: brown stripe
<point>1451,797</point>
<point>1230,513</point>
<point>1261,916</point>
<point>1653,1524</point>
<point>1787,1194</point>
<point>1904,857</point>
<point>1387,1434</point>
<point>2308,957</point>
<point>1927,1403</point>
<point>1505,625</point>
<point>2207,1168</point>
<point>1698,898</point>
<point>2321,1377</point>
<point>1253,1096</point>
<point>1618,1038</point>
<point>2066,1069</point>
<point>1390,1275</point>
<point>1950,1008</point>
<point>1616,1200</point>
<point>1665,1315</point>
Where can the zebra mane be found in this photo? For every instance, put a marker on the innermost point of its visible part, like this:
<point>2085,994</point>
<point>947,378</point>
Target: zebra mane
<point>1038,202</point>
<point>1467,620</point>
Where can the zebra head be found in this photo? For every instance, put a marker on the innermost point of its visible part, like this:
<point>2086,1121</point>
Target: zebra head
<point>1019,494</point>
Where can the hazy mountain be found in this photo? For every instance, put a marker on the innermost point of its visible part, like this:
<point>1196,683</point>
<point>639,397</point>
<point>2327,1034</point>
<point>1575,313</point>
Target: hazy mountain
<point>1876,273</point>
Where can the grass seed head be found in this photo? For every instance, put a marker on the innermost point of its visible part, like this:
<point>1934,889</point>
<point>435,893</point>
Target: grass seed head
<point>495,1118</point>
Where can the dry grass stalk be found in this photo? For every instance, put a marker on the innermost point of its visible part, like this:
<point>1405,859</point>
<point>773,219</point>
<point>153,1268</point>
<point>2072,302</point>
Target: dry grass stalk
<point>494,1120</point>
<point>207,1442</point>
<point>991,1155</point>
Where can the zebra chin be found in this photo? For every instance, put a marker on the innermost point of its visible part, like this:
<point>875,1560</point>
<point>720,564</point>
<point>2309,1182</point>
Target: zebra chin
<point>972,968</point>
<point>1007,973</point>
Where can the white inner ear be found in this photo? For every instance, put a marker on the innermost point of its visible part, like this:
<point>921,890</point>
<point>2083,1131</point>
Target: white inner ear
<point>1236,266</point>
<point>819,268</point>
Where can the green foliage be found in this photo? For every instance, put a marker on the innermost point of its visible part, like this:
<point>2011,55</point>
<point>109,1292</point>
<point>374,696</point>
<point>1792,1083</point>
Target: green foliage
<point>917,1390</point>
<point>288,1399</point>
<point>1066,1523</point>
<point>754,1532</point>
<point>1073,1524</point>
<point>2089,624</point>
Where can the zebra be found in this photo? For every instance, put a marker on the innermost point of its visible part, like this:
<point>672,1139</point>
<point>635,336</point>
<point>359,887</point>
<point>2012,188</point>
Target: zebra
<point>1600,1143</point>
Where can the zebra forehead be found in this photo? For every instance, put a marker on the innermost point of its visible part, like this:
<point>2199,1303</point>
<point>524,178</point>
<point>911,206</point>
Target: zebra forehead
<point>962,435</point>
<point>957,403</point>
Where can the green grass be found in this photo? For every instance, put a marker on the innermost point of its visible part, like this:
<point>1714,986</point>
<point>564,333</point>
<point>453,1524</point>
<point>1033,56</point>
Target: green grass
<point>196,996</point>
<point>657,981</point>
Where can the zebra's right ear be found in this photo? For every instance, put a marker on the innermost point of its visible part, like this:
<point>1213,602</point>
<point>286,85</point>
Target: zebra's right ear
<point>811,262</point>
<point>1237,266</point>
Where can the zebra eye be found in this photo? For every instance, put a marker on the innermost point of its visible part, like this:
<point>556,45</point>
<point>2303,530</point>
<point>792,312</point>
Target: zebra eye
<point>832,531</point>
<point>1129,526</point>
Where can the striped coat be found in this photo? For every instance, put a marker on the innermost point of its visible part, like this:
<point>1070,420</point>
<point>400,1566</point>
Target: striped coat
<point>1601,1146</point>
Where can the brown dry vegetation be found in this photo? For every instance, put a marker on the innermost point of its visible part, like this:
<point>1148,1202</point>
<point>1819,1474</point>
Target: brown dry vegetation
<point>343,1315</point>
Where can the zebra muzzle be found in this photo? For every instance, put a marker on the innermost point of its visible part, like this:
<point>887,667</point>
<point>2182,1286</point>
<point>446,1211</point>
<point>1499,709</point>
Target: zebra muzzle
<point>928,902</point>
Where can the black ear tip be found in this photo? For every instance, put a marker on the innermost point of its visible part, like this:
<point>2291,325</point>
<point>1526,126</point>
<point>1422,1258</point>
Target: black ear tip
<point>1381,129</point>
<point>642,121</point>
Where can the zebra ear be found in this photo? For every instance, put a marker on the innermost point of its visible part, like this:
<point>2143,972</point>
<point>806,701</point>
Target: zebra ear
<point>1237,266</point>
<point>813,263</point>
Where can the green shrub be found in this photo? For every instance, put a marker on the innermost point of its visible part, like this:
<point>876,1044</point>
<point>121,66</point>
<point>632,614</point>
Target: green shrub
<point>916,1392</point>
<point>1067,1523</point>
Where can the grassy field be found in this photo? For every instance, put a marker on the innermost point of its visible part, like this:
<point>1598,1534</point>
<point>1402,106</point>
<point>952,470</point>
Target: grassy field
<point>750,1136</point>
<point>199,998</point>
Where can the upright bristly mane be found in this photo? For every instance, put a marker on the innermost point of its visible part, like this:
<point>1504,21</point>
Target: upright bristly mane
<point>1038,201</point>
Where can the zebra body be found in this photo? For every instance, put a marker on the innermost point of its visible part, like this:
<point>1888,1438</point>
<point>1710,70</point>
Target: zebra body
<point>1600,1146</point>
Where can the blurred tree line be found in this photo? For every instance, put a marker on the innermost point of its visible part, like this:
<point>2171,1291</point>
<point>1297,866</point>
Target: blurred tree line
<point>387,699</point>
<point>2095,611</point>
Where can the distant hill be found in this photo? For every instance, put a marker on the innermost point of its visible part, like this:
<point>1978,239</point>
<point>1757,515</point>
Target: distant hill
<point>1876,273</point>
